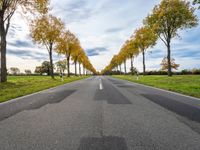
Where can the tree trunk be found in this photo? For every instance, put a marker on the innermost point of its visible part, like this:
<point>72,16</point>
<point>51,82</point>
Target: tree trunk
<point>79,68</point>
<point>51,60</point>
<point>120,68</point>
<point>124,67</point>
<point>3,69</point>
<point>144,66</point>
<point>132,66</point>
<point>75,68</point>
<point>169,58</point>
<point>83,70</point>
<point>68,66</point>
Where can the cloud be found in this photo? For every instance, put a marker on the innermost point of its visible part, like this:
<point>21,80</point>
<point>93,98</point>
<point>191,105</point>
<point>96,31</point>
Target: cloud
<point>92,53</point>
<point>27,54</point>
<point>157,53</point>
<point>189,53</point>
<point>111,30</point>
<point>73,11</point>
<point>95,51</point>
<point>19,43</point>
<point>14,28</point>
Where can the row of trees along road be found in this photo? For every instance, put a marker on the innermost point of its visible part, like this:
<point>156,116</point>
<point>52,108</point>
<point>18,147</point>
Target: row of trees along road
<point>46,30</point>
<point>163,23</point>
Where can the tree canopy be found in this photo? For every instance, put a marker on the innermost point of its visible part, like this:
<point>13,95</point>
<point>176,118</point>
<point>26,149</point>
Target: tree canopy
<point>170,16</point>
<point>46,30</point>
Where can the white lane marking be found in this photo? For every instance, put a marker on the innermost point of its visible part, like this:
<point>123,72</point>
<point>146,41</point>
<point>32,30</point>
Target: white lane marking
<point>100,85</point>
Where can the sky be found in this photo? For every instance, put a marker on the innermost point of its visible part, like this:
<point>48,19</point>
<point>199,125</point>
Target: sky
<point>102,28</point>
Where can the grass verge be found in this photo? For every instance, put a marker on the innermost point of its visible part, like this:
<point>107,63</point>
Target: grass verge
<point>18,86</point>
<point>185,84</point>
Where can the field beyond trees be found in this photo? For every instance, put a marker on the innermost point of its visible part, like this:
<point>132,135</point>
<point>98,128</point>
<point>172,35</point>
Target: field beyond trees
<point>185,84</point>
<point>23,85</point>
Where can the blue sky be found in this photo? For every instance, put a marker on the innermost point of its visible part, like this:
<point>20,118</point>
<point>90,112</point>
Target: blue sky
<point>102,27</point>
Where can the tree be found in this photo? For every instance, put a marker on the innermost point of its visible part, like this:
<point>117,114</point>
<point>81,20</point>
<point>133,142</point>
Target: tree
<point>125,72</point>
<point>14,70</point>
<point>66,44</point>
<point>7,10</point>
<point>134,70</point>
<point>128,50</point>
<point>80,61</point>
<point>132,50</point>
<point>168,18</point>
<point>164,64</point>
<point>61,66</point>
<point>123,56</point>
<point>39,70</point>
<point>44,68</point>
<point>77,53</point>
<point>27,71</point>
<point>69,45</point>
<point>87,66</point>
<point>46,30</point>
<point>145,38</point>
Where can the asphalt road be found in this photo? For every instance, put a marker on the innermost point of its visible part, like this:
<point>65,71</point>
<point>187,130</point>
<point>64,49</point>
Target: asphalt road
<point>101,113</point>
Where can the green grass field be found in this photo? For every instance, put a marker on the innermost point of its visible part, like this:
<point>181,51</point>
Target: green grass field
<point>185,84</point>
<point>23,85</point>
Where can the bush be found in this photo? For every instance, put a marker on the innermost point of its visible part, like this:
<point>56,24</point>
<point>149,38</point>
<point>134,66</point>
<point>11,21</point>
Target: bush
<point>195,71</point>
<point>186,72</point>
<point>156,73</point>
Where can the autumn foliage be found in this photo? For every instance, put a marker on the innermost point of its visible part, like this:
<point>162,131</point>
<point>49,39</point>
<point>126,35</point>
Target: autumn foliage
<point>164,64</point>
<point>164,22</point>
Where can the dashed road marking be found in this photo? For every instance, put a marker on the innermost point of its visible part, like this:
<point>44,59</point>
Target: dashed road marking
<point>100,85</point>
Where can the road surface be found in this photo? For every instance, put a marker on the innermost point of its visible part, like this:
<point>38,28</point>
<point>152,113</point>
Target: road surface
<point>101,113</point>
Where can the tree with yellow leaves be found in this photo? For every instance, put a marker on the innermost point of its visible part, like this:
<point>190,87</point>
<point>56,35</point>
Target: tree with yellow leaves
<point>84,60</point>
<point>7,10</point>
<point>168,18</point>
<point>76,55</point>
<point>123,56</point>
<point>132,50</point>
<point>145,38</point>
<point>164,64</point>
<point>128,51</point>
<point>119,61</point>
<point>80,60</point>
<point>87,66</point>
<point>46,31</point>
<point>66,45</point>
